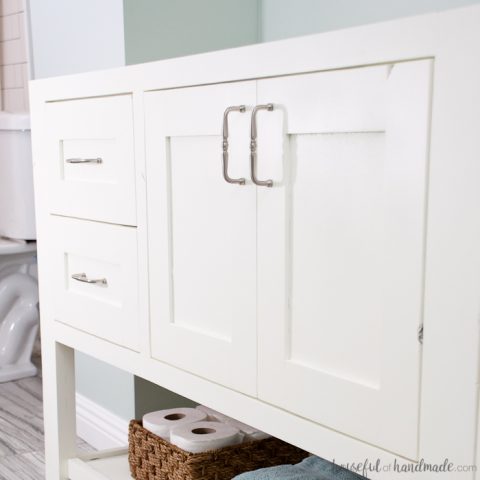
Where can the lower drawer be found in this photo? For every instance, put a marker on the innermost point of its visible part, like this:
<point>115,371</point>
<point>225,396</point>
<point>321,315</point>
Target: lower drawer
<point>94,278</point>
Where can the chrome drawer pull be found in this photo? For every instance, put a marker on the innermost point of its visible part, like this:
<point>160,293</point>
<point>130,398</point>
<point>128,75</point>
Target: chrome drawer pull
<point>84,160</point>
<point>82,277</point>
<point>253,146</point>
<point>226,176</point>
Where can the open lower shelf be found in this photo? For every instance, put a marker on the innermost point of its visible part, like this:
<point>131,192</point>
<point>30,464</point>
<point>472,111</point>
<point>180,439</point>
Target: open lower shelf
<point>106,465</point>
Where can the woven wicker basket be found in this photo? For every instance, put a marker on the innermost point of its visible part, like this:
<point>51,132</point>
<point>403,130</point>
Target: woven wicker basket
<point>152,458</point>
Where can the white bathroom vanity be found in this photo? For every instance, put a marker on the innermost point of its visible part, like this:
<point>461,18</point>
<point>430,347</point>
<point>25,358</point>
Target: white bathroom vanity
<point>288,233</point>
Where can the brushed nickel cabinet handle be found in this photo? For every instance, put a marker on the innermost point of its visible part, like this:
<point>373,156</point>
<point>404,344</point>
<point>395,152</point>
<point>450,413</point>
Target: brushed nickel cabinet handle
<point>253,146</point>
<point>84,160</point>
<point>226,176</point>
<point>82,277</point>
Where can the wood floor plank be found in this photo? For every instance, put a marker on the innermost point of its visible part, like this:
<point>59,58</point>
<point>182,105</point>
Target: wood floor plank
<point>21,430</point>
<point>21,417</point>
<point>25,466</point>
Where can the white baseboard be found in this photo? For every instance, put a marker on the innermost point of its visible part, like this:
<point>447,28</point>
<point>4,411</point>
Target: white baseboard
<point>99,427</point>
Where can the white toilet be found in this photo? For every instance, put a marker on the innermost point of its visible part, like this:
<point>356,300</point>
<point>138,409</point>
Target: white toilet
<point>19,318</point>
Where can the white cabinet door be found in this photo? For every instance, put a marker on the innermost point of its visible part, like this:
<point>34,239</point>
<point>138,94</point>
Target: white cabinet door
<point>341,248</point>
<point>202,251</point>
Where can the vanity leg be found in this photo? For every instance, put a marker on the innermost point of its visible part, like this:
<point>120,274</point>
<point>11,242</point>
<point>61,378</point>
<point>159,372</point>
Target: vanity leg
<point>59,407</point>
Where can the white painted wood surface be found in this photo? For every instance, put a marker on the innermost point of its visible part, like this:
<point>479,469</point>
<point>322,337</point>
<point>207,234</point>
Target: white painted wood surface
<point>278,422</point>
<point>341,248</point>
<point>449,361</point>
<point>100,467</point>
<point>202,234</point>
<point>91,129</point>
<point>58,376</point>
<point>100,251</point>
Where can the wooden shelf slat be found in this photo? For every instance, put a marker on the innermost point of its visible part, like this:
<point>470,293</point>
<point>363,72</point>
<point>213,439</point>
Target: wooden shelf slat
<point>108,465</point>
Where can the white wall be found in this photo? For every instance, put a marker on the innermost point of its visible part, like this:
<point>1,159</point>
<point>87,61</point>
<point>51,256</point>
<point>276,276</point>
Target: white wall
<point>71,36</point>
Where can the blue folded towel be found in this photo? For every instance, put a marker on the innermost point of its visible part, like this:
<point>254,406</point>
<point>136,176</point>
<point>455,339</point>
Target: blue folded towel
<point>312,468</point>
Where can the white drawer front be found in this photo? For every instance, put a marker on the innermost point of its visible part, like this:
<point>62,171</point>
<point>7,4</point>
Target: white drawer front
<point>90,158</point>
<point>94,277</point>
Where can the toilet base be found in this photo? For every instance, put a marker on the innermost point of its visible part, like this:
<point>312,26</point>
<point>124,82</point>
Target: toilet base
<point>9,373</point>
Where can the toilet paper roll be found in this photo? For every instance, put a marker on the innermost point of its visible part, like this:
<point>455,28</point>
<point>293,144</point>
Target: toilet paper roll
<point>258,435</point>
<point>203,436</point>
<point>162,421</point>
<point>212,414</point>
<point>250,433</point>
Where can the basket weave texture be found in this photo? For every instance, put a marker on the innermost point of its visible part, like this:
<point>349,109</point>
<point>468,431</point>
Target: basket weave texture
<point>152,458</point>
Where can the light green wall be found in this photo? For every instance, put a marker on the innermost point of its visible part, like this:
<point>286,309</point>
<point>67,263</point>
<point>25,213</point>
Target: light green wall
<point>290,18</point>
<point>157,29</point>
<point>150,397</point>
<point>110,387</point>
<point>120,392</point>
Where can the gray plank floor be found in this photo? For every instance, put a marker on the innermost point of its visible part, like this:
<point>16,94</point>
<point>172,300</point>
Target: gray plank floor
<point>21,430</point>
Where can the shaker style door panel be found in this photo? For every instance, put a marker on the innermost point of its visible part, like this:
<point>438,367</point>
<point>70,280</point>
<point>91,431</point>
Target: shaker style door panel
<point>94,278</point>
<point>341,248</point>
<point>202,257</point>
<point>90,158</point>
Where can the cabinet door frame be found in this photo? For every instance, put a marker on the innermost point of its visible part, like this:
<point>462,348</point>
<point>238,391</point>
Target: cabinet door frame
<point>381,106</point>
<point>187,330</point>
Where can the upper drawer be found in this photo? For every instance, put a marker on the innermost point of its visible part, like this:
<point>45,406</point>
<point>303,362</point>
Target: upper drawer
<point>90,158</point>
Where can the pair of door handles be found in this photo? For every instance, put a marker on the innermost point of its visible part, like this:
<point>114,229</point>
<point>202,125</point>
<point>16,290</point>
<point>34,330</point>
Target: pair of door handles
<point>253,145</point>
